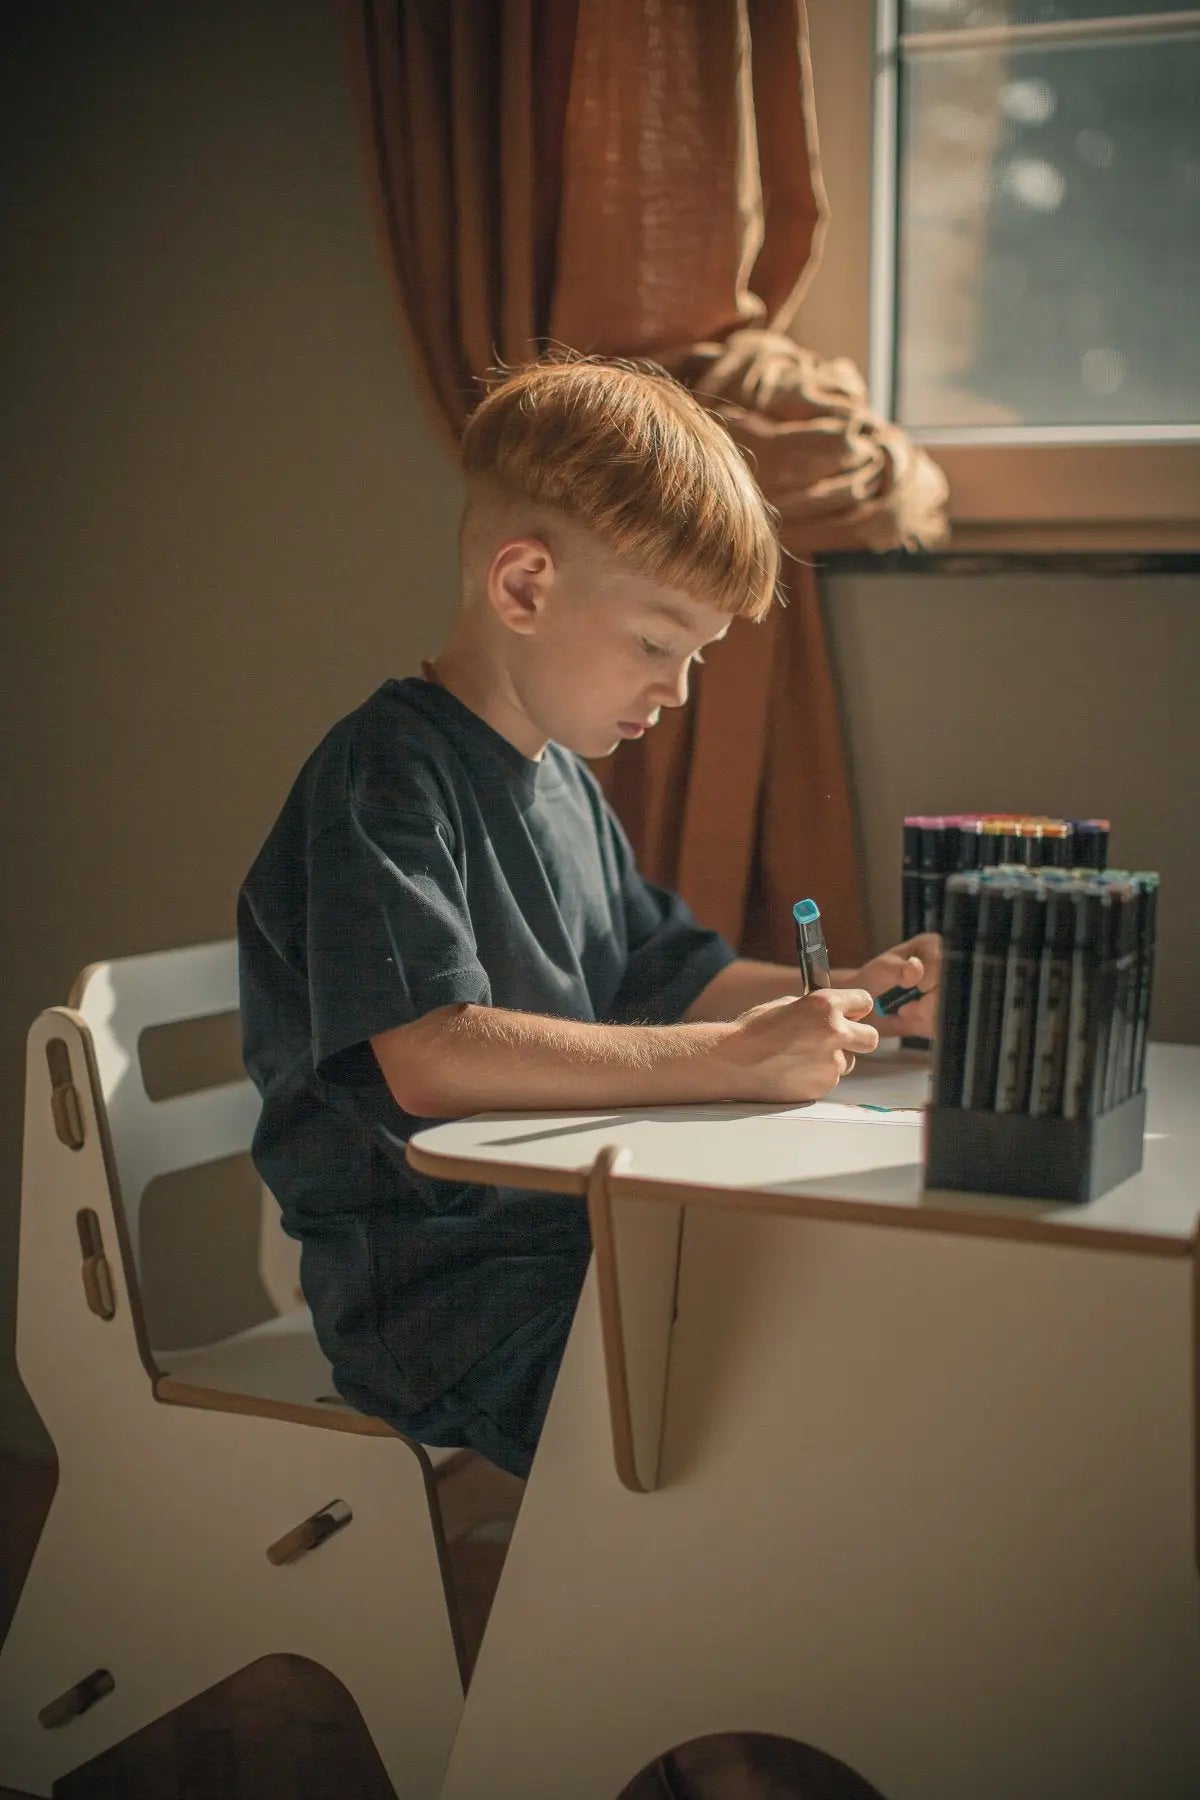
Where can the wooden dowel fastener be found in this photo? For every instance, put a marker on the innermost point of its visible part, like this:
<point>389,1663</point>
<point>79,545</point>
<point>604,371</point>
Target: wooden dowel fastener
<point>309,1533</point>
<point>97,1277</point>
<point>77,1699</point>
<point>65,1108</point>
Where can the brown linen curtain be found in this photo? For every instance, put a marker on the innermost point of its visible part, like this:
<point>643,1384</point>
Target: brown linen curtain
<point>640,178</point>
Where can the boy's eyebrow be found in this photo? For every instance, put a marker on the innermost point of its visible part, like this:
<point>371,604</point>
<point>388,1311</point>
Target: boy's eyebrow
<point>680,618</point>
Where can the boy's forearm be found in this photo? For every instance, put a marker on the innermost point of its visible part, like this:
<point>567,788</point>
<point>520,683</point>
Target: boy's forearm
<point>743,984</point>
<point>467,1059</point>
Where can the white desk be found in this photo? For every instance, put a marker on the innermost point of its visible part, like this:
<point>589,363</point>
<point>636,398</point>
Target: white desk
<point>925,1498</point>
<point>782,1163</point>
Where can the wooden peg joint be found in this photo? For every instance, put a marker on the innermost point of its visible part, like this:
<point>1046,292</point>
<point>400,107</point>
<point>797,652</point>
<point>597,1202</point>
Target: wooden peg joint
<point>309,1533</point>
<point>97,1279</point>
<point>65,1109</point>
<point>77,1699</point>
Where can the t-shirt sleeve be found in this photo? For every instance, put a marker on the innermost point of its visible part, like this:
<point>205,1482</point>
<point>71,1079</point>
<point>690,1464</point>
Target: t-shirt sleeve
<point>389,935</point>
<point>670,959</point>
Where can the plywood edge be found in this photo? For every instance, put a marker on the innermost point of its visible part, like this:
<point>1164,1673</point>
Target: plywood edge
<point>805,1206</point>
<point>1195,1248</point>
<point>174,1392</point>
<point>79,985</point>
<point>922,1218</point>
<point>504,1174</point>
<point>612,1332</point>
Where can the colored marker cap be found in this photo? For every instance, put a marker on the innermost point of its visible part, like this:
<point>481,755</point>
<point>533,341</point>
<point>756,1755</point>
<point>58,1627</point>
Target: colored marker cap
<point>805,912</point>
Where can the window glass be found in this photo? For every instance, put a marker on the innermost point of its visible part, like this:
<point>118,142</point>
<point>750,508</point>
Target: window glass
<point>1048,242</point>
<point>967,15</point>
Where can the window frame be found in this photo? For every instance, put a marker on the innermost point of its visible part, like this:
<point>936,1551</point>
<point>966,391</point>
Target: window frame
<point>1038,488</point>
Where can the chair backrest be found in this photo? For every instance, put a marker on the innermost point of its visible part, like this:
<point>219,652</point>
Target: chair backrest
<point>119,1001</point>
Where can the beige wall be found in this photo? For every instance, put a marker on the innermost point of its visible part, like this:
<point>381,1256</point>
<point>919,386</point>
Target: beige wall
<point>226,520</point>
<point>1071,694</point>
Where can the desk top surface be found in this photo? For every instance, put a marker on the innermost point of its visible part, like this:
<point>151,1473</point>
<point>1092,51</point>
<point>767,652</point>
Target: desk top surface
<point>831,1160</point>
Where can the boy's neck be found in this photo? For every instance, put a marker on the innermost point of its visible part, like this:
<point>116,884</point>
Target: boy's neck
<point>473,680</point>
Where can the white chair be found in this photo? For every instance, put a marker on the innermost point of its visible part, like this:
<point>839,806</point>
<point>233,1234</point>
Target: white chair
<point>218,1504</point>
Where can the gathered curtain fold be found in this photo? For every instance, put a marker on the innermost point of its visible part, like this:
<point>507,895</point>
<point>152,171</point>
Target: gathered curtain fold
<point>640,178</point>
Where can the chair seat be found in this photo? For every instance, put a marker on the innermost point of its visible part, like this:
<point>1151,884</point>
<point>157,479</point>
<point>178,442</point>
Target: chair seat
<point>277,1360</point>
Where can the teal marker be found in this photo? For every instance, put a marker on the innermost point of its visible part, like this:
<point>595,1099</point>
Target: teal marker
<point>811,953</point>
<point>894,998</point>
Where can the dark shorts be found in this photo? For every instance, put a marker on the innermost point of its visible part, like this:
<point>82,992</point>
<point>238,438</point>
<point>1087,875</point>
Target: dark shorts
<point>499,1407</point>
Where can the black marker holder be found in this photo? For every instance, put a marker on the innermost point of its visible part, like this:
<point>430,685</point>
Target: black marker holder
<point>1034,1158</point>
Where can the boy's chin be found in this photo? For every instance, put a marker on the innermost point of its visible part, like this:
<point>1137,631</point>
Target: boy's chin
<point>604,749</point>
<point>593,748</point>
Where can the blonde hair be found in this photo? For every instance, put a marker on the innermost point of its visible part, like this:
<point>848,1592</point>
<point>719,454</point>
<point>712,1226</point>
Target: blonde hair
<point>622,449</point>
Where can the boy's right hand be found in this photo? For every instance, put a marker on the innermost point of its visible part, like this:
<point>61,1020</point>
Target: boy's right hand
<point>793,1050</point>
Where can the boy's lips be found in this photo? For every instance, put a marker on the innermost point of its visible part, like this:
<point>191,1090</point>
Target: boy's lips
<point>635,727</point>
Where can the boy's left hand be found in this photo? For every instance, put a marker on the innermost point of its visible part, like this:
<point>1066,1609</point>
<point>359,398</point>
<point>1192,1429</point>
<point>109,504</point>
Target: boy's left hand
<point>915,963</point>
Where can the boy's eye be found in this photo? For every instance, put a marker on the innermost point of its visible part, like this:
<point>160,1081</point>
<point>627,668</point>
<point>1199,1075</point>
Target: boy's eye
<point>652,649</point>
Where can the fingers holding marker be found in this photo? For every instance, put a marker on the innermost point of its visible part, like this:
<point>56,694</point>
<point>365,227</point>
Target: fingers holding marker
<point>859,1036</point>
<point>845,1009</point>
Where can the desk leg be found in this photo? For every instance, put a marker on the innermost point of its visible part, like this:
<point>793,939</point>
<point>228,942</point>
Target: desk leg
<point>636,1248</point>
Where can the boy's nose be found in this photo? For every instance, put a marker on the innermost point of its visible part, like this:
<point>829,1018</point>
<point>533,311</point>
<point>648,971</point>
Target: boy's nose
<point>673,693</point>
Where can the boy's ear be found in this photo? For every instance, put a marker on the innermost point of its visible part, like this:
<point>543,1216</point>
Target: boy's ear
<point>519,582</point>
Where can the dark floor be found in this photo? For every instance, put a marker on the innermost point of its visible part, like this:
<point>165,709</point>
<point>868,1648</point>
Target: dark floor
<point>282,1729</point>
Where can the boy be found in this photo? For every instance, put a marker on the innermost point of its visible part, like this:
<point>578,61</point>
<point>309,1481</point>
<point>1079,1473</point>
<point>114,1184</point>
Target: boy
<point>446,917</point>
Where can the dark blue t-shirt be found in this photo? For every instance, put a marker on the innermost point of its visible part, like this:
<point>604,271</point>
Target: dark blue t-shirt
<point>420,860</point>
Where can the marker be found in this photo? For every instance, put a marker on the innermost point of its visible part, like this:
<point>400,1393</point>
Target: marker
<point>1015,843</point>
<point>811,953</point>
<point>1123,982</point>
<point>1031,832</point>
<point>1089,843</point>
<point>1105,998</point>
<point>1056,842</point>
<point>893,998</point>
<point>910,879</point>
<point>1022,967</point>
<point>1053,1000</point>
<point>939,831</point>
<point>1091,902</point>
<point>1147,924</point>
<point>958,949</point>
<point>970,845</point>
<point>988,967</point>
<point>991,848</point>
<point>934,836</point>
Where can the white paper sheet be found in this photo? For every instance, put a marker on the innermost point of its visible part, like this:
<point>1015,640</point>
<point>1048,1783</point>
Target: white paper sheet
<point>834,1112</point>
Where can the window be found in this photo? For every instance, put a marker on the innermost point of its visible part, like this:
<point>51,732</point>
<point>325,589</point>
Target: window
<point>1027,221</point>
